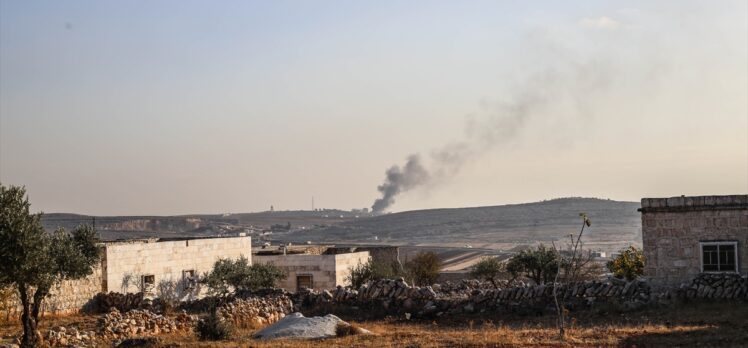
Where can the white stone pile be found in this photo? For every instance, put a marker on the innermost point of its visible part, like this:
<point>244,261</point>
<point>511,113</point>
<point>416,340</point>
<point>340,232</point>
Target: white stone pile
<point>256,311</point>
<point>141,322</point>
<point>70,337</point>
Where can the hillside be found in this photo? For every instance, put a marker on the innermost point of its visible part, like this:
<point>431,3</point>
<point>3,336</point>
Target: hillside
<point>614,224</point>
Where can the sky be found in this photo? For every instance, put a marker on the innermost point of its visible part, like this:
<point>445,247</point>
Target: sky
<point>180,107</point>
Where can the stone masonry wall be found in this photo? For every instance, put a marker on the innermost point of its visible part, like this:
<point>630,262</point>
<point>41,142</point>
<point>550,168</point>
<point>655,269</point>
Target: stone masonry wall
<point>69,296</point>
<point>672,229</point>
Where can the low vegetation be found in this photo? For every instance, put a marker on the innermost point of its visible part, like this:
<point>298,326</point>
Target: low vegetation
<point>628,264</point>
<point>424,268</point>
<point>373,270</point>
<point>212,328</point>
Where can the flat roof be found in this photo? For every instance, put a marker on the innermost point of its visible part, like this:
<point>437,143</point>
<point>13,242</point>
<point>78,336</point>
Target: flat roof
<point>694,203</point>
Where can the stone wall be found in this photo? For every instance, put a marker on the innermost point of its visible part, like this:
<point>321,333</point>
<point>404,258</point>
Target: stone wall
<point>672,229</point>
<point>67,297</point>
<point>384,297</point>
<point>167,261</point>
<point>327,271</point>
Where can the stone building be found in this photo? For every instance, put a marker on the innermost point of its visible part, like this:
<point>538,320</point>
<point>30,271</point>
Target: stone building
<point>174,265</point>
<point>146,265</point>
<point>323,271</point>
<point>686,236</point>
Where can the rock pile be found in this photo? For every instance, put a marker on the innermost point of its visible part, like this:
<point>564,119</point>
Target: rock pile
<point>103,301</point>
<point>141,322</point>
<point>716,286</point>
<point>256,311</point>
<point>65,337</point>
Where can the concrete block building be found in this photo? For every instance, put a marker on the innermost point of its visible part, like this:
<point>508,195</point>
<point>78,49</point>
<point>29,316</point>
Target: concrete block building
<point>314,271</point>
<point>686,236</point>
<point>146,265</point>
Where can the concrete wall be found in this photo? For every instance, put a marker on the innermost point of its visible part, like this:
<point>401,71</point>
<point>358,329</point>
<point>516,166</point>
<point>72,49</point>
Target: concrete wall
<point>166,260</point>
<point>672,229</point>
<point>327,271</point>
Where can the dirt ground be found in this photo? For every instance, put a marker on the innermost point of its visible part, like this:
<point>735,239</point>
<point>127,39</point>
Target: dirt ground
<point>684,325</point>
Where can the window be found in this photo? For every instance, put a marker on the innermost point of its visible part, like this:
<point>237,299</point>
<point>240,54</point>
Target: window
<point>190,281</point>
<point>303,281</point>
<point>149,283</point>
<point>719,256</point>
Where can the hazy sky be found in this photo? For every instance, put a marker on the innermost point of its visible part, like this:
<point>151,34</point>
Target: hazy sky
<point>174,107</point>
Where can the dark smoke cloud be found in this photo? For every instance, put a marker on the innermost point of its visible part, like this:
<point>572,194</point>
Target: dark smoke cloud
<point>399,180</point>
<point>570,83</point>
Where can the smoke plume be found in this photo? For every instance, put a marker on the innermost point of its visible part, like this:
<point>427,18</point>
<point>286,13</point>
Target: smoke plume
<point>563,89</point>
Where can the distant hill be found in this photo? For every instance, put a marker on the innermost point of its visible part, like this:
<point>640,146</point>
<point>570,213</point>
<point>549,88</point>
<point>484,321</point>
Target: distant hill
<point>197,225</point>
<point>614,224</point>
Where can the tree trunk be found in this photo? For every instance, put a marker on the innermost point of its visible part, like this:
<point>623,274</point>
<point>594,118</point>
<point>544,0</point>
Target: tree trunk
<point>39,295</point>
<point>30,332</point>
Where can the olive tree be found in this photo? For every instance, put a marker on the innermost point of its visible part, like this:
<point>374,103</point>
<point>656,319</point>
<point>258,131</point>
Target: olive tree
<point>540,264</point>
<point>489,268</point>
<point>32,260</point>
<point>238,275</point>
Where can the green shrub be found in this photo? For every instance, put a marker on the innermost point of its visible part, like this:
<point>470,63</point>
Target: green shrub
<point>629,264</point>
<point>214,329</point>
<point>372,270</point>
<point>424,268</point>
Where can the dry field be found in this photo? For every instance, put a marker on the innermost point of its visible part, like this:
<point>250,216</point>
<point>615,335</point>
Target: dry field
<point>687,325</point>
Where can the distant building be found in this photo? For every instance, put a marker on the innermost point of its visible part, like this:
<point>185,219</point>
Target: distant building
<point>685,236</point>
<point>317,272</point>
<point>598,254</point>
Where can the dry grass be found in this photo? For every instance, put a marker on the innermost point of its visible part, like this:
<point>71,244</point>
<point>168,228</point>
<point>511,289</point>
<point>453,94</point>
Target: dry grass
<point>702,324</point>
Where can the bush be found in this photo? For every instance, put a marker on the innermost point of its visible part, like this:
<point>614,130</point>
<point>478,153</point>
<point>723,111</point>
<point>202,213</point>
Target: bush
<point>213,328</point>
<point>489,268</point>
<point>239,275</point>
<point>540,265</point>
<point>372,270</point>
<point>629,264</point>
<point>424,268</point>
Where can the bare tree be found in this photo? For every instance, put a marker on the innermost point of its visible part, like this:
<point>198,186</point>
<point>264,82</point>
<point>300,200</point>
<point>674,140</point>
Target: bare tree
<point>572,266</point>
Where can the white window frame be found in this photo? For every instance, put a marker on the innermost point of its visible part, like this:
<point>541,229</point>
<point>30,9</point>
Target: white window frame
<point>718,243</point>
